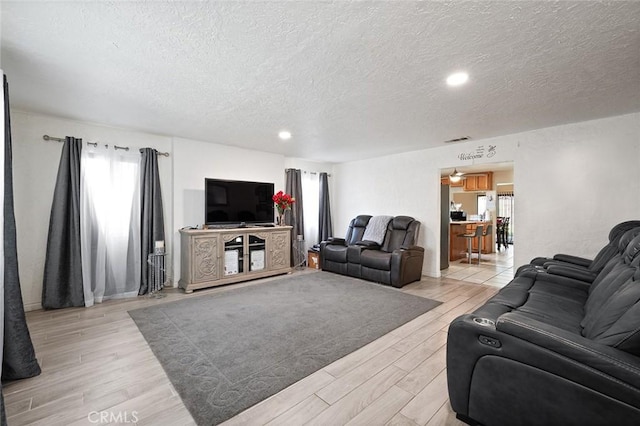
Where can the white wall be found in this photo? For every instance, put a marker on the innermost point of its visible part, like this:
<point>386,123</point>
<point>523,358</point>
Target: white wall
<point>35,164</point>
<point>35,167</point>
<point>193,161</point>
<point>572,182</point>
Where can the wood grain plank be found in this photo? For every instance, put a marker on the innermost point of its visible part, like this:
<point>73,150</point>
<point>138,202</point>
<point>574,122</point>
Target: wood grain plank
<point>344,365</point>
<point>284,400</point>
<point>423,407</point>
<point>301,413</point>
<point>97,359</point>
<point>353,403</point>
<point>424,373</point>
<point>354,378</point>
<point>382,409</point>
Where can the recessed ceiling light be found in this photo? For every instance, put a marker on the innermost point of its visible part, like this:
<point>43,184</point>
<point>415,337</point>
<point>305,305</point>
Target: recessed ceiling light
<point>284,135</point>
<point>457,79</point>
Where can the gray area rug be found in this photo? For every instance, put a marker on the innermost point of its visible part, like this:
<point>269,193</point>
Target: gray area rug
<point>227,351</point>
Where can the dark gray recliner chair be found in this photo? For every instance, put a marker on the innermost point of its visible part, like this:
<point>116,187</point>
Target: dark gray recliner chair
<point>333,253</point>
<point>398,261</point>
<point>549,349</point>
<point>590,266</point>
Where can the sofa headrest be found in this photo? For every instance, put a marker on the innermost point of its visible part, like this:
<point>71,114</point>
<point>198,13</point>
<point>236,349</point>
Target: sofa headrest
<point>632,250</point>
<point>402,231</point>
<point>401,222</point>
<point>626,239</point>
<point>619,230</point>
<point>361,221</point>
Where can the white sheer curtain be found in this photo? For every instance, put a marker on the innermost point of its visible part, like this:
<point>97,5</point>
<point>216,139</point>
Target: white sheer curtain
<point>109,223</point>
<point>311,207</point>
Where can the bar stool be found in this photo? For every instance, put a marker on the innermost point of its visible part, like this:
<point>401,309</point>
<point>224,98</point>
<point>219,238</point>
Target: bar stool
<point>486,232</point>
<point>475,234</point>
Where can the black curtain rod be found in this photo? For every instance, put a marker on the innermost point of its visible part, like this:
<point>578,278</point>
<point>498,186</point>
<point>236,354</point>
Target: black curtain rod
<point>126,148</point>
<point>311,173</point>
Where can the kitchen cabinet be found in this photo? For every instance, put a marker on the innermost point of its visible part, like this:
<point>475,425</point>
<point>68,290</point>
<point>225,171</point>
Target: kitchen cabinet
<point>479,182</point>
<point>446,181</point>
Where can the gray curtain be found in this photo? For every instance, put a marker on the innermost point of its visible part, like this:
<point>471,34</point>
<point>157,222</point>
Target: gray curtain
<point>152,216</point>
<point>294,217</point>
<point>19,358</point>
<point>325,229</point>
<point>62,285</point>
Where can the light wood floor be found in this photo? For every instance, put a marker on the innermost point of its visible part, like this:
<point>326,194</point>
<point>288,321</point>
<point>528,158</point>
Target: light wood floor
<point>96,363</point>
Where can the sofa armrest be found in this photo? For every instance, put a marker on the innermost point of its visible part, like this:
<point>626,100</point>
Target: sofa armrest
<point>569,272</point>
<point>576,260</point>
<point>614,362</point>
<point>340,242</point>
<point>539,261</point>
<point>337,241</point>
<point>368,244</point>
<point>541,347</point>
<point>414,248</point>
<point>406,265</point>
<point>539,273</point>
<point>522,360</point>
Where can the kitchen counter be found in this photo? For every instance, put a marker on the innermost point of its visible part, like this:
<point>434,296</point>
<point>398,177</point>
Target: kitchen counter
<point>458,248</point>
<point>467,222</point>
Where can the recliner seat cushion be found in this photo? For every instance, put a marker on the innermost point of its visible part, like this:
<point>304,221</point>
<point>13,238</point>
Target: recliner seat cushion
<point>561,312</point>
<point>548,302</point>
<point>561,291</point>
<point>376,259</point>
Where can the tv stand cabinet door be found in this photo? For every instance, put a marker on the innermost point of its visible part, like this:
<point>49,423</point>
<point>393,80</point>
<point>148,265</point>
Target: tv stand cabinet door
<point>205,255</point>
<point>280,250</point>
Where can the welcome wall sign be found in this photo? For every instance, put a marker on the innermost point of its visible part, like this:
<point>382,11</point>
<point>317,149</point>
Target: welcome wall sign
<point>480,152</point>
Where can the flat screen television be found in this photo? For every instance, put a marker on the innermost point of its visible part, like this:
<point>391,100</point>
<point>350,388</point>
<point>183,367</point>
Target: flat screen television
<point>232,202</point>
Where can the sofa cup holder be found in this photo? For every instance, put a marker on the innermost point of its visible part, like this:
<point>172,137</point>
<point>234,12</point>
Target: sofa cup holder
<point>485,322</point>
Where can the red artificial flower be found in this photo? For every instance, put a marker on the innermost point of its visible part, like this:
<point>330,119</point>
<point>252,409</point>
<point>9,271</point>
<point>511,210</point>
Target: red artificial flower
<point>283,201</point>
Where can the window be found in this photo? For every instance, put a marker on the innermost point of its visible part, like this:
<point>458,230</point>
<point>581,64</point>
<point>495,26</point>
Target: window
<point>109,224</point>
<point>506,203</point>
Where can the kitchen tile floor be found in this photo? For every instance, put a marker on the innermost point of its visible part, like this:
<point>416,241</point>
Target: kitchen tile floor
<point>495,269</point>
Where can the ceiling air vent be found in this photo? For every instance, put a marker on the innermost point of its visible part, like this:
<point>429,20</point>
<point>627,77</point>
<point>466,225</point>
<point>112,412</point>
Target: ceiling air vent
<point>462,139</point>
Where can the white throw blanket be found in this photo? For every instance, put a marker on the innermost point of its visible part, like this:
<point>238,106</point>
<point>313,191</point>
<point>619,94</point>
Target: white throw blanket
<point>376,228</point>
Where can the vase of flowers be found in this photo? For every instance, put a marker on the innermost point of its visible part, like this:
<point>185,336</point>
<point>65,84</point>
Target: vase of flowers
<point>283,203</point>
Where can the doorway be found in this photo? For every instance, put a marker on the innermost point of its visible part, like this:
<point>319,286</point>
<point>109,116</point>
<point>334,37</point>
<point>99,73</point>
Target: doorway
<point>482,196</point>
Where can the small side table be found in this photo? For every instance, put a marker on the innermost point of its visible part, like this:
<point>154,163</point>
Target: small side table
<point>156,275</point>
<point>313,259</point>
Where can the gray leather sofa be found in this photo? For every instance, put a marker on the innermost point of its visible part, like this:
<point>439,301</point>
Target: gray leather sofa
<point>549,349</point>
<point>589,266</point>
<point>397,261</point>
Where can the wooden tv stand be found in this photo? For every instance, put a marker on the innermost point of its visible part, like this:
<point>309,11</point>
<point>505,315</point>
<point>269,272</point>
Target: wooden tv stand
<point>211,257</point>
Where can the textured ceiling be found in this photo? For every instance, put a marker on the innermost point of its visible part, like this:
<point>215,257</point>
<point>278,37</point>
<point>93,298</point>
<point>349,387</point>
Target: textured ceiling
<point>349,79</point>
